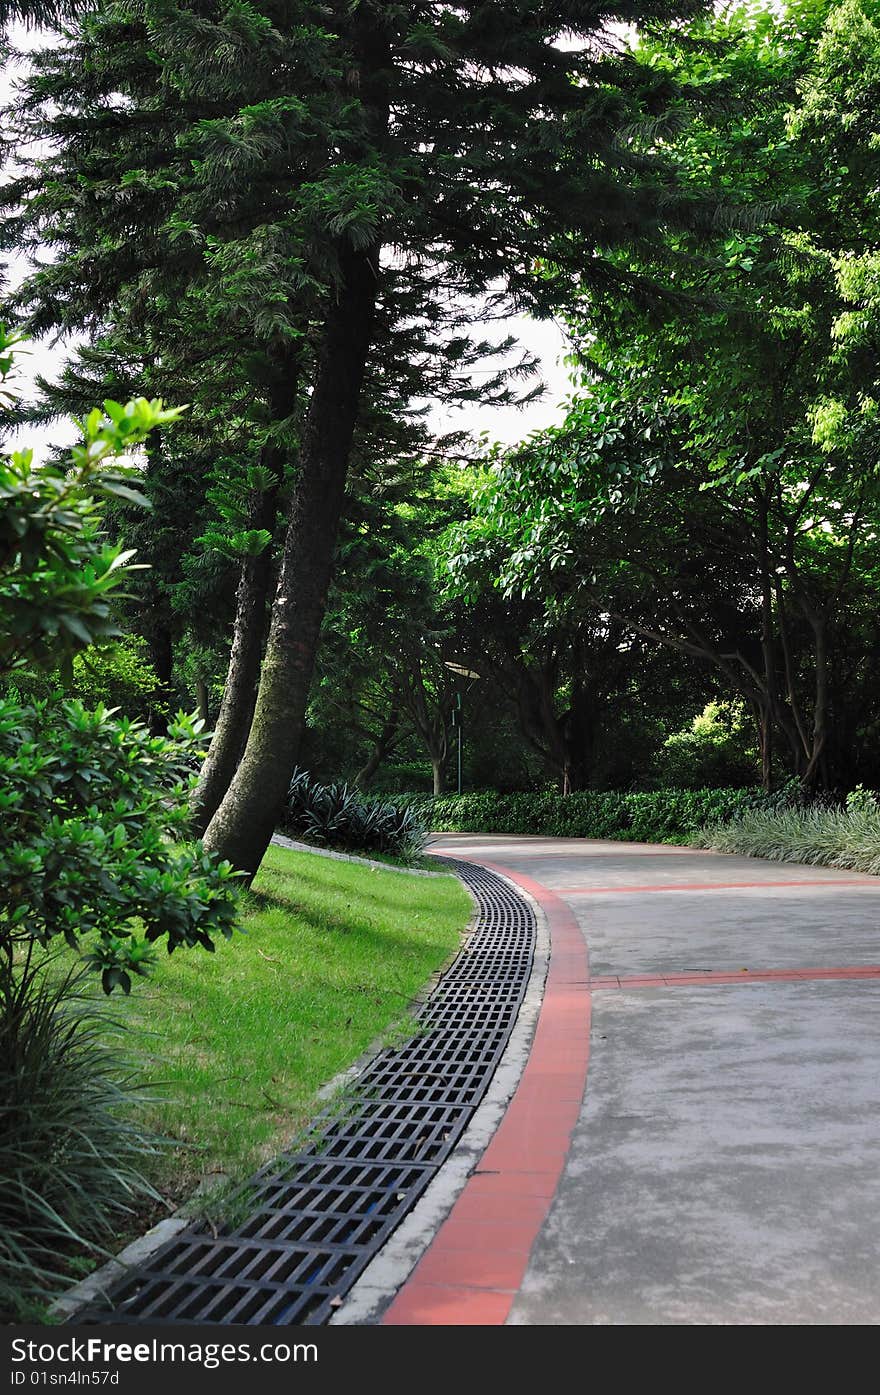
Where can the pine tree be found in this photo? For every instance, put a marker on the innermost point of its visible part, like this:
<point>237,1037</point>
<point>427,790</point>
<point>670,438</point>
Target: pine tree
<point>488,148</point>
<point>36,13</point>
<point>326,180</point>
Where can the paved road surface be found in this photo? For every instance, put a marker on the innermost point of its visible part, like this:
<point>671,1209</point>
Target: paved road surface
<point>725,1164</point>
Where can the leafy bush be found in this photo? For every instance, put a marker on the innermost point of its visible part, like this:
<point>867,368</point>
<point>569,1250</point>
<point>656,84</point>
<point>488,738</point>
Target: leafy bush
<point>69,1156</point>
<point>716,750</point>
<point>89,802</point>
<point>118,674</point>
<point>844,836</point>
<point>650,816</point>
<point>91,806</point>
<point>338,816</point>
<point>862,800</point>
<point>58,574</point>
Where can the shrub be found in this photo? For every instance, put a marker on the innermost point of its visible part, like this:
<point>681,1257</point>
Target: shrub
<point>93,808</point>
<point>58,574</point>
<point>650,816</point>
<point>843,836</point>
<point>119,675</point>
<point>90,806</point>
<point>89,803</point>
<point>339,817</point>
<point>69,1156</point>
<point>716,749</point>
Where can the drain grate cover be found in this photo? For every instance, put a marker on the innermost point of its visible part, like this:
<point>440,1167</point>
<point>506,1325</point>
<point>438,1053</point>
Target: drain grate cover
<point>316,1216</point>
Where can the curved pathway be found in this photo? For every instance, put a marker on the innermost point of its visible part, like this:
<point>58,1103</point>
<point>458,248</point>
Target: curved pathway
<point>723,1164</point>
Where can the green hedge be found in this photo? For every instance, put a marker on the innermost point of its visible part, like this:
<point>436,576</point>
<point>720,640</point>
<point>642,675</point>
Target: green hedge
<point>646,816</point>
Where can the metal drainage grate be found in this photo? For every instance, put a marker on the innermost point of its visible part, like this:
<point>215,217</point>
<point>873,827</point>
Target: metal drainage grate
<point>317,1215</point>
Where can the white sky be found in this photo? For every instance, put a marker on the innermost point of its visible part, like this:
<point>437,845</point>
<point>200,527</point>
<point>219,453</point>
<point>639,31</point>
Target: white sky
<point>546,342</point>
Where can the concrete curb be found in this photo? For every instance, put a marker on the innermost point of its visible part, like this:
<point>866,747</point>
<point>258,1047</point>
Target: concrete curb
<point>282,841</point>
<point>98,1284</point>
<point>100,1281</point>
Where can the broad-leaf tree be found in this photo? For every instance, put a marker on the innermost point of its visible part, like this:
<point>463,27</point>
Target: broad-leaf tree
<point>727,461</point>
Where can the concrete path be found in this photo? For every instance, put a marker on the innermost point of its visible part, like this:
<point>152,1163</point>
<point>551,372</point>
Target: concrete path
<point>723,1166</point>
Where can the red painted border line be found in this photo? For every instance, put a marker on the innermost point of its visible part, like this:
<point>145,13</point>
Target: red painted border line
<point>574,845</point>
<point>855,971</point>
<point>872,883</point>
<point>470,1273</point>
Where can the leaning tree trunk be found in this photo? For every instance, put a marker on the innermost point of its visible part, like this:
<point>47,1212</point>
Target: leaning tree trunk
<point>242,676</point>
<point>242,827</point>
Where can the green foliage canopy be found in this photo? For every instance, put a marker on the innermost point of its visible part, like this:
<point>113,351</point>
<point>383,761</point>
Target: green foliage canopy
<point>723,462</point>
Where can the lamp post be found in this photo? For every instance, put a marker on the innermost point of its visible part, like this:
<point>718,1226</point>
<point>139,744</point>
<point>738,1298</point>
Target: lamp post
<point>456,707</point>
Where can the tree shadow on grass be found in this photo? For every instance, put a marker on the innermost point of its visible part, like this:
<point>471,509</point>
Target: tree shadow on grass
<point>418,897</point>
<point>326,923</point>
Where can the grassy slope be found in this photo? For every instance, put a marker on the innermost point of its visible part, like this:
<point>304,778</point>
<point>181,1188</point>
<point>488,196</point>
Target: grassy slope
<point>239,1042</point>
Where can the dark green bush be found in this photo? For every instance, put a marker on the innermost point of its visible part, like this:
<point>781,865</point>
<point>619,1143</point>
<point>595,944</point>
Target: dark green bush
<point>649,816</point>
<point>118,675</point>
<point>92,810</point>
<point>337,816</point>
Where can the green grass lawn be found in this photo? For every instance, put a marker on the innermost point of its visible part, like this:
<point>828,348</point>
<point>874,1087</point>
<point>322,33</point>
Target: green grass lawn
<point>235,1045</point>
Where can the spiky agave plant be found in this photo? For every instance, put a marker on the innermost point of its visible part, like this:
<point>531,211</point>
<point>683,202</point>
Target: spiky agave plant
<point>336,816</point>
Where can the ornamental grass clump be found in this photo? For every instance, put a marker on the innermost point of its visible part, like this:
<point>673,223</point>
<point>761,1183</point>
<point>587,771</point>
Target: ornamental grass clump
<point>70,1155</point>
<point>845,836</point>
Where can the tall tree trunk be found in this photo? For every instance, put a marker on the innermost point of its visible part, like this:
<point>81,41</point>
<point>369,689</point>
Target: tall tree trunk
<point>437,774</point>
<point>160,648</point>
<point>242,676</point>
<point>534,694</point>
<point>764,729</point>
<point>816,773</point>
<point>156,619</point>
<point>242,827</point>
<point>792,728</point>
<point>769,712</point>
<point>202,699</point>
<point>578,733</point>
